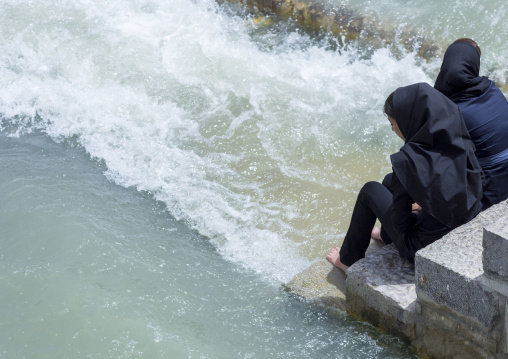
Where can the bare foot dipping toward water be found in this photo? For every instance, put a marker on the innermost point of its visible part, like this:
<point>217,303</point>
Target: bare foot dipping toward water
<point>376,233</point>
<point>334,258</point>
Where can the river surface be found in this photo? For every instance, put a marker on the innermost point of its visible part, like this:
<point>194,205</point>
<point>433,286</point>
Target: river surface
<point>166,165</point>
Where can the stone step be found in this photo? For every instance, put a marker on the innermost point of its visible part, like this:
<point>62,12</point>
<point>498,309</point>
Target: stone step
<point>381,289</point>
<point>324,284</point>
<point>495,249</point>
<point>452,304</point>
<point>450,271</point>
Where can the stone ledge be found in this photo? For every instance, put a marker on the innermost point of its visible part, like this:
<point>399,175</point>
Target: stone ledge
<point>495,248</point>
<point>321,283</point>
<point>442,345</point>
<point>460,328</point>
<point>449,271</point>
<point>381,289</point>
<point>447,306</point>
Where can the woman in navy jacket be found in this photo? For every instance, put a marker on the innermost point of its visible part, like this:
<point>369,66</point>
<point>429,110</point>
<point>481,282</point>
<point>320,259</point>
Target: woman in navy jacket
<point>485,112</point>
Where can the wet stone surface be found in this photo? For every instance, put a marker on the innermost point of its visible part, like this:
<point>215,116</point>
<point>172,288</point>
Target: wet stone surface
<point>387,273</point>
<point>323,283</point>
<point>381,290</point>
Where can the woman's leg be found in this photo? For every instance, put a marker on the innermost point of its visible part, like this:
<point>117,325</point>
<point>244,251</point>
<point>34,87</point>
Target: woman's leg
<point>379,233</point>
<point>387,181</point>
<point>374,201</point>
<point>376,233</point>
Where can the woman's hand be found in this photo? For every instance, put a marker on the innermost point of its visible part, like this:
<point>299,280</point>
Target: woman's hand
<point>416,208</point>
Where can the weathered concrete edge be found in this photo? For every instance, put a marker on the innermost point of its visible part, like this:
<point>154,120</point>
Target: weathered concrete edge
<point>449,272</point>
<point>458,331</point>
<point>380,289</point>
<point>321,283</point>
<point>495,253</point>
<point>324,284</point>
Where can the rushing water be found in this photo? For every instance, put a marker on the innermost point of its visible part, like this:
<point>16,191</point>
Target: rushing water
<point>166,165</point>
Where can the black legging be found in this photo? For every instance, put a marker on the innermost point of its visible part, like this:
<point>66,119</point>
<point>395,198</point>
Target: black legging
<point>374,202</point>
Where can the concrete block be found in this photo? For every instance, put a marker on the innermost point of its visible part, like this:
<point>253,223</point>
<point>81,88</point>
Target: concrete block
<point>381,289</point>
<point>444,333</point>
<point>439,344</point>
<point>449,271</point>
<point>495,248</point>
<point>504,344</point>
<point>322,283</point>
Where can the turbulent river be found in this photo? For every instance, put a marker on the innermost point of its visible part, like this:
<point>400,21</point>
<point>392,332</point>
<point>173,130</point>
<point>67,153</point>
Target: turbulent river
<point>166,165</point>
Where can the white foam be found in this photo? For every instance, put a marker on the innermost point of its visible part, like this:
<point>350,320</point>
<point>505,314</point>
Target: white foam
<point>179,101</point>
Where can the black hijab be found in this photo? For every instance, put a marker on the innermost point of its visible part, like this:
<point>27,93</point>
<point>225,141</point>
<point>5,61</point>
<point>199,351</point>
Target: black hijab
<point>459,77</point>
<point>437,165</point>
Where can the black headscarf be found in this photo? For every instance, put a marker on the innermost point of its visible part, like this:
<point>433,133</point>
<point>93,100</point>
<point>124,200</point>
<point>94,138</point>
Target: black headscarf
<point>459,77</point>
<point>437,165</point>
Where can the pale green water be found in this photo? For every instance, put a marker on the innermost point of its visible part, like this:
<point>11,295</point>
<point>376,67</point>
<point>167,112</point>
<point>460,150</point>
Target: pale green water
<point>90,269</point>
<point>226,157</point>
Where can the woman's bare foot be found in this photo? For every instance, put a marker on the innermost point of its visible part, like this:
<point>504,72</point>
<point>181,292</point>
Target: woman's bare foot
<point>376,233</point>
<point>334,258</point>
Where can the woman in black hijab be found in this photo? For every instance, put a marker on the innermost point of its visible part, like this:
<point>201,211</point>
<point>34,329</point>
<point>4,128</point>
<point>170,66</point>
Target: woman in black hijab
<point>485,112</point>
<point>436,168</point>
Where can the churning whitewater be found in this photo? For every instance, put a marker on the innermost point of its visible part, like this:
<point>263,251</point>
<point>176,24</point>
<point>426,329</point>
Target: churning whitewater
<point>166,165</point>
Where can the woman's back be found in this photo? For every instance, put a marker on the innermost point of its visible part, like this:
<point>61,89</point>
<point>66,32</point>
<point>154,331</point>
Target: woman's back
<point>485,112</point>
<point>437,165</point>
<point>486,119</point>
